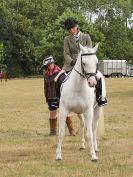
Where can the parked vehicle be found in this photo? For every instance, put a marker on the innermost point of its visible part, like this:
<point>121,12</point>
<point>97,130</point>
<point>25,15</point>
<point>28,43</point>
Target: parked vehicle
<point>114,68</point>
<point>130,70</point>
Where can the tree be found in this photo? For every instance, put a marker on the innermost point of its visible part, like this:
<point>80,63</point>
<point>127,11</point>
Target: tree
<point>22,31</point>
<point>30,30</point>
<point>3,66</point>
<point>54,35</point>
<point>117,44</point>
<point>1,53</point>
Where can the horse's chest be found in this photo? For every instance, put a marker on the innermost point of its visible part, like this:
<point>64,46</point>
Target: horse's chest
<point>78,104</point>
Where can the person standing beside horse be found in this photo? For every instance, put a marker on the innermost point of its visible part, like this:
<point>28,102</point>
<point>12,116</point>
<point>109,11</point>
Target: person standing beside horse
<point>71,51</point>
<point>50,70</point>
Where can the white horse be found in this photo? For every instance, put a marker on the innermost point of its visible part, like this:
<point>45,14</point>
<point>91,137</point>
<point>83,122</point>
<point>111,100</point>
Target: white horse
<point>78,96</point>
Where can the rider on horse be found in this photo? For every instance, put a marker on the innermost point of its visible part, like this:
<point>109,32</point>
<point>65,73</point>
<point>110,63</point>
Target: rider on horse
<point>71,51</point>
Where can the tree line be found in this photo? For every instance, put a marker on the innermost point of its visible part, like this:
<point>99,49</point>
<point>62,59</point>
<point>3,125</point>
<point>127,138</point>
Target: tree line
<point>33,29</point>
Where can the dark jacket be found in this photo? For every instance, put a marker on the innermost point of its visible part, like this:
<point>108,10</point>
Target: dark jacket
<point>50,85</point>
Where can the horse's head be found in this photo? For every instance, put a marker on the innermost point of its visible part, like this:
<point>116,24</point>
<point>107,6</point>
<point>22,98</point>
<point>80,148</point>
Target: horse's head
<point>89,62</point>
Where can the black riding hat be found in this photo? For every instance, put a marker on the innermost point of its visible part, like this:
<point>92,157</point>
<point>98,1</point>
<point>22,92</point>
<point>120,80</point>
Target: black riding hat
<point>70,23</point>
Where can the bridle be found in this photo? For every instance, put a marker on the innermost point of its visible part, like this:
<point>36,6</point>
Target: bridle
<point>84,74</point>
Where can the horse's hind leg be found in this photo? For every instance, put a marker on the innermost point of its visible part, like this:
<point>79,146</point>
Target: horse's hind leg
<point>82,125</point>
<point>97,114</point>
<point>62,119</point>
<point>89,118</point>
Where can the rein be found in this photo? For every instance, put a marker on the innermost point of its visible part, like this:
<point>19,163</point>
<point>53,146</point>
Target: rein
<point>79,73</point>
<point>85,75</point>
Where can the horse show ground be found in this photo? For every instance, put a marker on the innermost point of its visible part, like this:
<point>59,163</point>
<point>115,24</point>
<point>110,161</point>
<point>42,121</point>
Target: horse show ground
<point>27,151</point>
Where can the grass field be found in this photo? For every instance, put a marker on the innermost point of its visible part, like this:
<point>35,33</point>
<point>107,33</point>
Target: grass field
<point>27,151</point>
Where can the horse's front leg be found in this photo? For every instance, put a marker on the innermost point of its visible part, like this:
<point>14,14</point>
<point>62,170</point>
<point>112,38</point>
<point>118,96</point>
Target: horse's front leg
<point>94,126</point>
<point>82,125</point>
<point>97,115</point>
<point>62,119</point>
<point>89,118</point>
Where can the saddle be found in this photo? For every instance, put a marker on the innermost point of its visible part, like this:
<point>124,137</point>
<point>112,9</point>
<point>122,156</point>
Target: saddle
<point>62,78</point>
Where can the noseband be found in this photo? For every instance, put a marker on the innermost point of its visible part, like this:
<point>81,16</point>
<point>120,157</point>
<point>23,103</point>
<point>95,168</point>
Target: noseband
<point>85,74</point>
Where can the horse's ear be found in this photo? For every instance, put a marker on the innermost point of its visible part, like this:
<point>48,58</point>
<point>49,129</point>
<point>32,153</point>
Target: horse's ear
<point>96,47</point>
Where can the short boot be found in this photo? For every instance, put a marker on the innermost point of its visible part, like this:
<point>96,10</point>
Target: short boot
<point>53,123</point>
<point>70,126</point>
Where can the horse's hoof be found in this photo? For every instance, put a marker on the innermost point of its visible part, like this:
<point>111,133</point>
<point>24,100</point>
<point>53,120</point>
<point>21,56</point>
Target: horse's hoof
<point>82,148</point>
<point>95,159</point>
<point>58,158</point>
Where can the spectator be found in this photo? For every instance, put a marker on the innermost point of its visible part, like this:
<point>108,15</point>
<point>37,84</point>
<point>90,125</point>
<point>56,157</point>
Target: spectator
<point>50,70</point>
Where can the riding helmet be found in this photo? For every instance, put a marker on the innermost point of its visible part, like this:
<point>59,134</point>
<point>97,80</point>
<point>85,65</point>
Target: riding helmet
<point>70,23</point>
<point>48,61</point>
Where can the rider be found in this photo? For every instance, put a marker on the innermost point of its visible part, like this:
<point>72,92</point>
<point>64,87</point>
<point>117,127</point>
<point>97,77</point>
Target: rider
<point>71,51</point>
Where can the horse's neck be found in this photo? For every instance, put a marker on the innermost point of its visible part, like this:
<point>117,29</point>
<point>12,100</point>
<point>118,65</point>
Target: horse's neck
<point>76,79</point>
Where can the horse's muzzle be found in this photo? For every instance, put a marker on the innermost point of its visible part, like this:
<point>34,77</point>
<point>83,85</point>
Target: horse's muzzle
<point>92,81</point>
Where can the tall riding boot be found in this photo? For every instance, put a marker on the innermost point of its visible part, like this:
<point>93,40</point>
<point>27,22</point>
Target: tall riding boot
<point>53,123</point>
<point>70,126</point>
<point>101,100</point>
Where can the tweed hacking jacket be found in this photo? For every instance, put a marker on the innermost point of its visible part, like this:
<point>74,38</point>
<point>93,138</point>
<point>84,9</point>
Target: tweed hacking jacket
<point>72,48</point>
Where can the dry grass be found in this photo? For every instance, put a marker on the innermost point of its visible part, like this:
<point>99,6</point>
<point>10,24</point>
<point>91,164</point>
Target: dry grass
<point>27,151</point>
